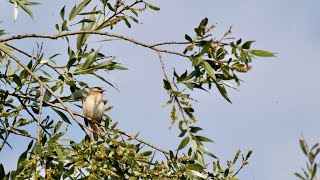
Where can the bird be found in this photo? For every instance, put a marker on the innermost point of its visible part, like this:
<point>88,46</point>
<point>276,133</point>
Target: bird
<point>93,108</point>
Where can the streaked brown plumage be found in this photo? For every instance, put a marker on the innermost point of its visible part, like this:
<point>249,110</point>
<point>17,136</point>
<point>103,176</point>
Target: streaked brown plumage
<point>93,108</point>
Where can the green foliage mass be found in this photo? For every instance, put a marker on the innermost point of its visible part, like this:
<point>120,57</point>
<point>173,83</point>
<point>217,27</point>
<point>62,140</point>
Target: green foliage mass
<point>39,83</point>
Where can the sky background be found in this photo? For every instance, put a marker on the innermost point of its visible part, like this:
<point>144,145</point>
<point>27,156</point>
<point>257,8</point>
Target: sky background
<point>278,101</point>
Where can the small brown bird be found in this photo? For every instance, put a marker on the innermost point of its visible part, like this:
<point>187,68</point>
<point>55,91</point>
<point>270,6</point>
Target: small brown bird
<point>93,108</point>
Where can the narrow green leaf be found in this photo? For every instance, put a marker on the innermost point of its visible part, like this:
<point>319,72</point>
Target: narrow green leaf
<point>204,22</point>
<point>90,60</point>
<point>15,10</point>
<point>25,8</point>
<point>196,60</point>
<point>2,172</point>
<point>205,150</point>
<point>200,158</point>
<point>197,174</point>
<point>47,96</point>
<point>62,12</point>
<point>194,129</point>
<point>104,80</point>
<point>91,12</point>
<point>59,152</point>
<point>247,45</point>
<point>209,70</point>
<point>263,53</point>
<point>32,3</point>
<point>183,143</point>
<point>183,132</point>
<point>195,166</point>
<point>236,157</point>
<point>299,176</point>
<point>303,146</point>
<point>223,91</point>
<point>23,156</point>
<point>205,48</point>
<point>239,41</point>
<point>202,138</point>
<point>63,116</point>
<point>77,9</point>
<point>17,80</point>
<point>22,131</point>
<point>153,7</point>
<point>44,61</point>
<point>146,153</point>
<point>167,85</point>
<point>194,145</point>
<point>134,12</point>
<point>248,155</point>
<point>188,38</point>
<point>127,22</point>
<point>226,172</point>
<point>5,47</point>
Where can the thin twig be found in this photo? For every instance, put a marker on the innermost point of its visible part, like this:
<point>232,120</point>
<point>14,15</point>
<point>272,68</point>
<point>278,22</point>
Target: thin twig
<point>166,77</point>
<point>117,13</point>
<point>20,134</point>
<point>7,135</point>
<point>23,36</point>
<point>243,164</point>
<point>28,111</point>
<point>179,43</point>
<point>40,112</point>
<point>163,67</point>
<point>144,142</point>
<point>169,43</point>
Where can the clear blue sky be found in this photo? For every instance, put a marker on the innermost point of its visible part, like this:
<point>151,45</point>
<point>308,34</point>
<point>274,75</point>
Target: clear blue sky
<point>277,103</point>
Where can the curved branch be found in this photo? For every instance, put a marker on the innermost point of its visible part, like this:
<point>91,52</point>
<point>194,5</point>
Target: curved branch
<point>61,35</point>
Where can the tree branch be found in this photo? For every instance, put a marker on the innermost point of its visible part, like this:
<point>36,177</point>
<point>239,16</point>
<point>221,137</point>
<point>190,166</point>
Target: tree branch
<point>57,36</point>
<point>81,115</point>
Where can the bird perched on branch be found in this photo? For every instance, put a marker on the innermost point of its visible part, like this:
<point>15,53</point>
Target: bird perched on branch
<point>93,109</point>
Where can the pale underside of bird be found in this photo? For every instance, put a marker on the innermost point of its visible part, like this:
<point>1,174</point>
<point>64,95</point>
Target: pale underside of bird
<point>93,109</point>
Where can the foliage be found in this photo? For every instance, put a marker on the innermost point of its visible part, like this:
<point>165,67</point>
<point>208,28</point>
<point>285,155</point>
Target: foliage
<point>41,84</point>
<point>312,163</point>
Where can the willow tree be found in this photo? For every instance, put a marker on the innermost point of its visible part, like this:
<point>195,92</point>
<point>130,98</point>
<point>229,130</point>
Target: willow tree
<point>34,82</point>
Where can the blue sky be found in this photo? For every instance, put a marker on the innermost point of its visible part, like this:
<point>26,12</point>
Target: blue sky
<point>276,105</point>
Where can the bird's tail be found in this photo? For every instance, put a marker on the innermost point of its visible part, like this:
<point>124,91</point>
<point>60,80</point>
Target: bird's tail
<point>95,129</point>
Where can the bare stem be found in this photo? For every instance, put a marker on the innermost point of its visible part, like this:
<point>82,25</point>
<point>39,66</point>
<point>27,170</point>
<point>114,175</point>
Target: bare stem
<point>40,112</point>
<point>57,36</point>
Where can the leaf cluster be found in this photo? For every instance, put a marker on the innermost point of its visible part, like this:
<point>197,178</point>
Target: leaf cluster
<point>45,91</point>
<point>312,162</point>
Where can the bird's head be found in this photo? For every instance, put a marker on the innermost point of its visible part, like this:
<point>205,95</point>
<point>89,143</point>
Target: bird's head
<point>96,90</point>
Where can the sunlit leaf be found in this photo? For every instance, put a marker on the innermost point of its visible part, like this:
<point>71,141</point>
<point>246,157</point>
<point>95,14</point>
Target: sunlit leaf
<point>209,70</point>
<point>25,8</point>
<point>77,9</point>
<point>183,143</point>
<point>63,116</point>
<point>263,53</point>
<point>90,60</point>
